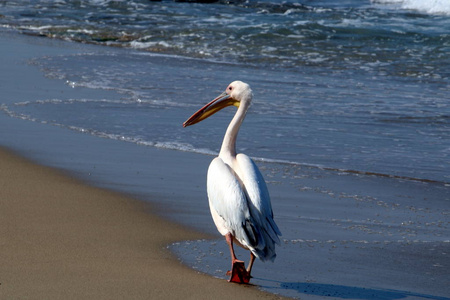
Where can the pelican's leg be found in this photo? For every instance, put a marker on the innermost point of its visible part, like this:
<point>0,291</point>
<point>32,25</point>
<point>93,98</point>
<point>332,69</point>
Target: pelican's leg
<point>229,238</point>
<point>250,263</point>
<point>238,272</point>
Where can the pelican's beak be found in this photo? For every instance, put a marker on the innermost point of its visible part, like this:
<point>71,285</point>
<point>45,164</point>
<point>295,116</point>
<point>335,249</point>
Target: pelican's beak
<point>211,108</point>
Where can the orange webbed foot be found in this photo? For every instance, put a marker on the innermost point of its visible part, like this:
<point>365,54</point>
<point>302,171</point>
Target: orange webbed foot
<point>238,273</point>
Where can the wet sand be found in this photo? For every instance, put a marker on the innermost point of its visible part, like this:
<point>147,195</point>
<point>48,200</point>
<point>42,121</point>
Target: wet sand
<point>62,239</point>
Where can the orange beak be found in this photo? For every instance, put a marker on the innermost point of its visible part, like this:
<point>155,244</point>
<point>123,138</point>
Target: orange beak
<point>211,108</point>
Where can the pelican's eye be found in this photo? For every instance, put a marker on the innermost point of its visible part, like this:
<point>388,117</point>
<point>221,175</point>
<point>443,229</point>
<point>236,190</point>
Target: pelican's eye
<point>230,88</point>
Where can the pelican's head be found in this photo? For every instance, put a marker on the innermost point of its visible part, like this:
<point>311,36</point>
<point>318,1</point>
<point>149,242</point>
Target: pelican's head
<point>237,93</point>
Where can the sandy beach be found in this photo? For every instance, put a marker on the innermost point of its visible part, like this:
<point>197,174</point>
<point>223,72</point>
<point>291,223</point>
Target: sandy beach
<point>62,239</point>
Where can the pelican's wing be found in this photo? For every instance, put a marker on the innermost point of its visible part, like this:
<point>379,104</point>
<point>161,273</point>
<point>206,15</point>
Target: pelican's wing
<point>258,194</point>
<point>228,204</point>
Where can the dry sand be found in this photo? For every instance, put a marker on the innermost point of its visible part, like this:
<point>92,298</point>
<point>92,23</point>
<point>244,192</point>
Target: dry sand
<point>63,239</point>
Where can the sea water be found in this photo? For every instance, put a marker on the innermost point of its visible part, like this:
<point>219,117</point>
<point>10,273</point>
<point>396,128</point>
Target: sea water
<point>350,122</point>
<point>353,85</point>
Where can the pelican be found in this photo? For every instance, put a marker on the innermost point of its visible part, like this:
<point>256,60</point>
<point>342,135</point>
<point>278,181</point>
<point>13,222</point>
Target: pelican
<point>238,196</point>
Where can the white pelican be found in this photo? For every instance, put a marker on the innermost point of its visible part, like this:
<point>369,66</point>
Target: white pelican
<point>238,197</point>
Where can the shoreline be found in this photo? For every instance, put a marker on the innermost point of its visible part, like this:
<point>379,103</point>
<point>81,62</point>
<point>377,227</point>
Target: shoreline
<point>64,239</point>
<point>345,235</point>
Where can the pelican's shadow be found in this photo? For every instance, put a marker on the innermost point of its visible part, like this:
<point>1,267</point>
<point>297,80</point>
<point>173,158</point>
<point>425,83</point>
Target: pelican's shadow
<point>344,292</point>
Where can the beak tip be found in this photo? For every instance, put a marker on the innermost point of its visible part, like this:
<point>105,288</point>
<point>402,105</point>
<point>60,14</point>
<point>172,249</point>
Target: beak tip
<point>209,109</point>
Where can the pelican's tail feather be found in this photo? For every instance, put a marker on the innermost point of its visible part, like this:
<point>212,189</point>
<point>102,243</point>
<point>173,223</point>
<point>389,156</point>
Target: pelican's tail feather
<point>268,251</point>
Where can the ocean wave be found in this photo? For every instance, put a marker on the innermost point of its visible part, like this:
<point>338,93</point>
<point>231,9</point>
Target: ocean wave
<point>22,110</point>
<point>262,33</point>
<point>348,171</point>
<point>186,147</point>
<point>434,7</point>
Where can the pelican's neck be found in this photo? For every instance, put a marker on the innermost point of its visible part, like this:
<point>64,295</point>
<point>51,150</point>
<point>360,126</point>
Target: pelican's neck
<point>228,149</point>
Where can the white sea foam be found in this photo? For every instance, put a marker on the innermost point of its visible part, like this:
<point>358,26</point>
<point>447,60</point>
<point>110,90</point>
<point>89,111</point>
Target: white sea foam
<point>85,31</point>
<point>145,45</point>
<point>38,28</point>
<point>439,7</point>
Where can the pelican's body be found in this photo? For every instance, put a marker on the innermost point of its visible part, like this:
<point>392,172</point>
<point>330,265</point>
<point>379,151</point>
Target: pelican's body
<point>238,196</point>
